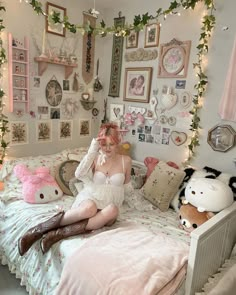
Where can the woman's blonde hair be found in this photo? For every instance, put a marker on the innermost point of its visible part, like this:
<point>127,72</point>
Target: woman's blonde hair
<point>110,130</point>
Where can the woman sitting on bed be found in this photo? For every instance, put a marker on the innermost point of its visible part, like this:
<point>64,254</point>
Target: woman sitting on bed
<point>104,172</point>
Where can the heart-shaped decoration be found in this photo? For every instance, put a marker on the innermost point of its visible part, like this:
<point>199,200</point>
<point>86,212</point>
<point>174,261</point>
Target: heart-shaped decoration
<point>178,138</point>
<point>116,111</point>
<point>85,96</point>
<point>169,101</point>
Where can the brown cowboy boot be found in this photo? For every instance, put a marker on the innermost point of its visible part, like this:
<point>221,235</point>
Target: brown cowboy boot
<point>36,232</point>
<point>61,233</point>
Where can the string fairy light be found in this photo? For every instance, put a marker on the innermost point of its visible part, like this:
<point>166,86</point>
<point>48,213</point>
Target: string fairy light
<point>208,24</point>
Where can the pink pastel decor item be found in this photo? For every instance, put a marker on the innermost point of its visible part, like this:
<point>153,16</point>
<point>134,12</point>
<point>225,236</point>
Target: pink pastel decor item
<point>227,107</point>
<point>38,186</point>
<point>151,162</point>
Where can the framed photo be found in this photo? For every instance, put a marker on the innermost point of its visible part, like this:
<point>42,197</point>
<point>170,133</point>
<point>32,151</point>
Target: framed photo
<point>19,132</point>
<point>44,131</point>
<point>152,33</point>
<point>173,59</point>
<point>137,84</point>
<point>84,127</point>
<point>132,40</point>
<point>65,129</point>
<point>53,93</point>
<point>56,29</point>
<point>221,138</point>
<point>116,112</point>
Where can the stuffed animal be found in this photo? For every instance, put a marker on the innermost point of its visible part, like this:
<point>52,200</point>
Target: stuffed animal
<point>208,194</point>
<point>39,186</point>
<point>190,218</point>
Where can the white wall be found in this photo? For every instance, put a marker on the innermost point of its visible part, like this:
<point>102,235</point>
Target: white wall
<point>185,27</point>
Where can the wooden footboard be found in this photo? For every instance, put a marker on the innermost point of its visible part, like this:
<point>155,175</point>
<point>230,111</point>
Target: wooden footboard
<point>210,245</point>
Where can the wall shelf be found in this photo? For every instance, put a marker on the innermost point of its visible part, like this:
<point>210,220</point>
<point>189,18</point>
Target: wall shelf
<point>18,68</point>
<point>88,104</point>
<point>44,61</point>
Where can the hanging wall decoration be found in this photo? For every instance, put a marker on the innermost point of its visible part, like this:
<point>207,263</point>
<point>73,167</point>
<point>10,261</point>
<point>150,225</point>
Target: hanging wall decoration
<point>116,62</point>
<point>141,54</point>
<point>88,48</point>
<point>173,59</point>
<point>19,132</point>
<point>53,92</point>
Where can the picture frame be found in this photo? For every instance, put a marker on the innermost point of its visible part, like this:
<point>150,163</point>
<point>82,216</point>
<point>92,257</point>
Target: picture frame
<point>221,138</point>
<point>132,40</point>
<point>137,84</point>
<point>57,29</point>
<point>18,132</point>
<point>174,59</point>
<point>44,131</point>
<point>53,93</point>
<point>65,129</point>
<point>152,34</point>
<point>116,112</point>
<point>84,127</point>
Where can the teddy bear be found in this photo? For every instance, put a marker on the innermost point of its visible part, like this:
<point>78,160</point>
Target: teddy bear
<point>39,186</point>
<point>208,194</point>
<point>190,218</point>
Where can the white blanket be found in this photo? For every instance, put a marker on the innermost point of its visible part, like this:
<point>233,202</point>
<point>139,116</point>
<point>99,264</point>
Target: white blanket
<point>128,260</point>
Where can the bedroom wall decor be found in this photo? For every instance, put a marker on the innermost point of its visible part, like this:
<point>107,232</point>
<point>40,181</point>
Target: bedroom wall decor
<point>116,113</point>
<point>116,60</point>
<point>19,132</point>
<point>152,34</point>
<point>137,84</point>
<point>65,129</point>
<point>88,48</point>
<point>173,59</point>
<point>44,131</point>
<point>141,54</point>
<point>207,26</point>
<point>84,127</point>
<point>53,92</point>
<point>132,40</point>
<point>51,27</point>
<point>221,138</point>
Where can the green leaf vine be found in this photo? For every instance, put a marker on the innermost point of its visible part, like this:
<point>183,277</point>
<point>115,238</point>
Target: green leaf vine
<point>4,129</point>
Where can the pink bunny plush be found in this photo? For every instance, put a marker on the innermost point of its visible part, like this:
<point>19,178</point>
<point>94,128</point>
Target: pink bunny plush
<point>38,186</point>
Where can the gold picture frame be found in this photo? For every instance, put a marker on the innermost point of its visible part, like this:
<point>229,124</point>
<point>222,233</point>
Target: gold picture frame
<point>58,28</point>
<point>174,59</point>
<point>132,40</point>
<point>137,84</point>
<point>152,33</point>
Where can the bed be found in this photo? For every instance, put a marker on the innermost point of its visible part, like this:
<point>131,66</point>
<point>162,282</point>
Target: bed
<point>202,252</point>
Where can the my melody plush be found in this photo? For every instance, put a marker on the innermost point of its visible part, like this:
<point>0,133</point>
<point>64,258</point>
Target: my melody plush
<point>190,218</point>
<point>38,186</point>
<point>208,194</point>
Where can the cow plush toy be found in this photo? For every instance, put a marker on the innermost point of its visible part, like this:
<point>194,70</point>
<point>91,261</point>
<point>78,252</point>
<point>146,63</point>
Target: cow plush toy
<point>39,186</point>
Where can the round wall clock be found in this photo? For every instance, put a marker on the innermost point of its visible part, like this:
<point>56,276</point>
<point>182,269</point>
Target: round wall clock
<point>53,93</point>
<point>173,59</point>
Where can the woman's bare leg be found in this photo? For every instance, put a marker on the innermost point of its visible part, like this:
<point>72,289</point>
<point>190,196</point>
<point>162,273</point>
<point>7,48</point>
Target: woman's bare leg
<point>106,216</point>
<point>86,209</point>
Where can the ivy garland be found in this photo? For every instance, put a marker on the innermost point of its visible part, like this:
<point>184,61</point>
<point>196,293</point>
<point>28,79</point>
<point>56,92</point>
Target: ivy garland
<point>3,119</point>
<point>139,22</point>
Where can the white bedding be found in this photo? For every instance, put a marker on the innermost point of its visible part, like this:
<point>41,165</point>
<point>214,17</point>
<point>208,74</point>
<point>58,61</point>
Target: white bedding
<point>40,273</point>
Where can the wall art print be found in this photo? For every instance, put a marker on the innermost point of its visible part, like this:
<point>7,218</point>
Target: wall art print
<point>116,112</point>
<point>137,84</point>
<point>57,29</point>
<point>18,132</point>
<point>65,129</point>
<point>84,127</point>
<point>132,40</point>
<point>152,33</point>
<point>44,131</point>
<point>173,59</point>
<point>116,61</point>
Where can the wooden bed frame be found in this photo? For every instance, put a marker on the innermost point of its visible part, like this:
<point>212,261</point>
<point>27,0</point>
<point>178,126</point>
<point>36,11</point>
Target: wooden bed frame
<point>211,244</point>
